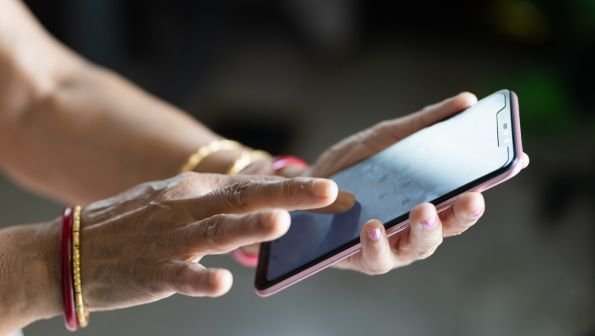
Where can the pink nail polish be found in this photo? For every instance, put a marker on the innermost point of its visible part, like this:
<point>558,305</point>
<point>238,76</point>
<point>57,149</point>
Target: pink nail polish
<point>374,234</point>
<point>429,223</point>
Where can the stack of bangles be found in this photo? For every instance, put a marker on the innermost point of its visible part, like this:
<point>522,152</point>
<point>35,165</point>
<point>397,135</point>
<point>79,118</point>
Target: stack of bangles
<point>247,157</point>
<point>75,314</point>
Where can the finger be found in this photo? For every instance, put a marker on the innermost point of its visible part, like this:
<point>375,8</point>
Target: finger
<point>298,193</point>
<point>193,279</point>
<point>345,201</point>
<point>525,160</point>
<point>437,112</point>
<point>376,256</point>
<point>465,212</point>
<point>224,233</point>
<point>424,235</point>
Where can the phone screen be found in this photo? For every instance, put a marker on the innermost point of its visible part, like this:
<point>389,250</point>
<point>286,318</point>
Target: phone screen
<point>427,166</point>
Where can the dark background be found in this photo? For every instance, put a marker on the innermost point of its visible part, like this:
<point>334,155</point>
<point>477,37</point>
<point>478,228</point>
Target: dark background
<point>294,76</point>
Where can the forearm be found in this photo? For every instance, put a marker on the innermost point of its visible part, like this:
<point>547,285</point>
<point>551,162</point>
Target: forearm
<point>29,274</point>
<point>77,132</point>
<point>96,135</point>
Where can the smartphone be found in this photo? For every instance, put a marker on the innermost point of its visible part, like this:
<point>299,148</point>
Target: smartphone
<point>471,151</point>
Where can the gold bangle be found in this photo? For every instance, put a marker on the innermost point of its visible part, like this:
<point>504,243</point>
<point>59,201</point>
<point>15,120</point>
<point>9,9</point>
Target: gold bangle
<point>215,146</point>
<point>245,159</point>
<point>82,314</point>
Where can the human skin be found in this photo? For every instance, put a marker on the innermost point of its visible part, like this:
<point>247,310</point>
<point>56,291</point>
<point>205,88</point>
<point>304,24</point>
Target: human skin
<point>76,132</point>
<point>79,133</point>
<point>146,243</point>
<point>427,228</point>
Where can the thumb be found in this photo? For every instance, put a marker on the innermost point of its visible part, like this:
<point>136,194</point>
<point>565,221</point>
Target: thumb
<point>432,114</point>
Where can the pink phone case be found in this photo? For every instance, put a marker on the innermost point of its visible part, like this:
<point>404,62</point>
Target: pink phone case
<point>513,170</point>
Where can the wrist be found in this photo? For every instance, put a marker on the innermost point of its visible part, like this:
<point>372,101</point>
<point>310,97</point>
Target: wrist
<point>45,292</point>
<point>29,273</point>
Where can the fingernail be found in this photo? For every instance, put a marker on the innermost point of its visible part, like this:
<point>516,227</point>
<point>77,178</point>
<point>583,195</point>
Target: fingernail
<point>477,213</point>
<point>429,223</point>
<point>320,188</point>
<point>375,234</point>
<point>346,200</point>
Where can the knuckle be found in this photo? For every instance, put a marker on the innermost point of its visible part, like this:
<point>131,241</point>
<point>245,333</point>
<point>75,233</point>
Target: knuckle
<point>288,187</point>
<point>379,269</point>
<point>424,253</point>
<point>426,108</point>
<point>429,107</point>
<point>217,181</point>
<point>234,195</point>
<point>383,126</point>
<point>462,223</point>
<point>176,282</point>
<point>378,263</point>
<point>180,187</point>
<point>469,223</point>
<point>210,229</point>
<point>460,211</point>
<point>187,175</point>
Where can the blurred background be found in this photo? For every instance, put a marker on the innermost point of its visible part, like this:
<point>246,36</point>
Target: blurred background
<point>295,76</point>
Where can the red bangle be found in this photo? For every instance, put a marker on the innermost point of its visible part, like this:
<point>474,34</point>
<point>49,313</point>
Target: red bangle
<point>283,161</point>
<point>67,286</point>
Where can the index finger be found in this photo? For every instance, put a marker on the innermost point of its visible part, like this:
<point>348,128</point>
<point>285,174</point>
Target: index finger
<point>247,195</point>
<point>345,201</point>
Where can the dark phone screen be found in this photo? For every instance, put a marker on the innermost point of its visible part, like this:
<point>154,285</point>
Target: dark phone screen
<point>420,168</point>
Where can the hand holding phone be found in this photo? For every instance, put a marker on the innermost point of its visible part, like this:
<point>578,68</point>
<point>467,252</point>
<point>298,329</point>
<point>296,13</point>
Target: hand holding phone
<point>324,241</point>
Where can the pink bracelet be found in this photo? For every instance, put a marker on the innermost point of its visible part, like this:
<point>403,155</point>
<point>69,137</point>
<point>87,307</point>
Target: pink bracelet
<point>283,161</point>
<point>279,163</point>
<point>243,258</point>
